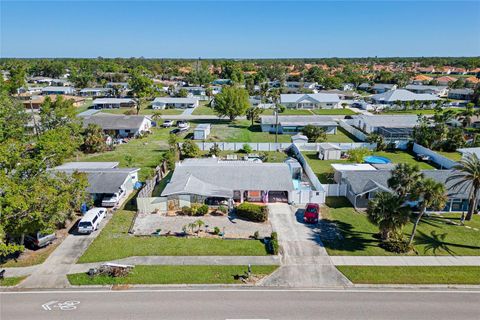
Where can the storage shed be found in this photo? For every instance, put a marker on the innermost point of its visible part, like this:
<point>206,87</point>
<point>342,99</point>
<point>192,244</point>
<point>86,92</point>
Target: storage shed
<point>202,131</point>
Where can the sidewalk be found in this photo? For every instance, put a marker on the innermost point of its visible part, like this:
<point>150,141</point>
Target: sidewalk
<point>406,260</point>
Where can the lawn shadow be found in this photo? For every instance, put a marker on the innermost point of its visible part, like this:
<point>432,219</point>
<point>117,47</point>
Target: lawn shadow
<point>436,242</point>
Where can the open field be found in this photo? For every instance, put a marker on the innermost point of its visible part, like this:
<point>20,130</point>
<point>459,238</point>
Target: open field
<point>175,275</point>
<point>411,275</point>
<point>436,235</point>
<point>114,242</point>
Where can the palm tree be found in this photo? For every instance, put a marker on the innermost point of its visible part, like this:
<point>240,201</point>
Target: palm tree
<point>466,115</point>
<point>466,178</point>
<point>432,194</point>
<point>386,211</point>
<point>253,113</point>
<point>404,178</point>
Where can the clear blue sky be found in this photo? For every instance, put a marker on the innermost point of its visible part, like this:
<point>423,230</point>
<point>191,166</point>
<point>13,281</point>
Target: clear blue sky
<point>263,29</point>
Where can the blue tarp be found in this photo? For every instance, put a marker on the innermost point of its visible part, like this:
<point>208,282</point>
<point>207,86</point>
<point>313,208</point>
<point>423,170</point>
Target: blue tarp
<point>137,185</point>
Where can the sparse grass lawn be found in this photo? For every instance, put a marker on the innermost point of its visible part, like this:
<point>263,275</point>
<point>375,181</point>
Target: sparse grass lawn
<point>242,131</point>
<point>341,136</point>
<point>332,112</point>
<point>435,235</point>
<point>455,156</point>
<point>399,156</point>
<point>30,258</point>
<point>84,107</point>
<point>114,242</point>
<point>10,281</point>
<point>175,275</point>
<point>204,110</point>
<point>167,112</point>
<point>411,275</point>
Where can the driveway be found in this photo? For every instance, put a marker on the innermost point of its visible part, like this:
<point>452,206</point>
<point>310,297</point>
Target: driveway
<point>53,272</point>
<point>305,262</point>
<point>188,112</point>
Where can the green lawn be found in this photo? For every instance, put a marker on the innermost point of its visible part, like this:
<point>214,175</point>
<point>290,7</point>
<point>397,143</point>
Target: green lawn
<point>324,171</point>
<point>175,275</point>
<point>455,156</point>
<point>411,275</point>
<point>84,107</point>
<point>10,281</point>
<point>435,235</point>
<point>426,111</point>
<point>114,242</point>
<point>157,191</point>
<point>242,131</point>
<point>329,112</point>
<point>289,112</point>
<point>341,136</point>
<point>204,110</point>
<point>30,259</point>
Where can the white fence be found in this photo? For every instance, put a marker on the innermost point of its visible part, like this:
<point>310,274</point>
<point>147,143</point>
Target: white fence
<point>352,130</point>
<point>344,146</point>
<point>266,146</point>
<point>440,160</point>
<point>335,190</point>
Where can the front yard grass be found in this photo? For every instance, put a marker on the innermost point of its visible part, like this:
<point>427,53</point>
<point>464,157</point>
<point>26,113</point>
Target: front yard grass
<point>436,235</point>
<point>114,242</point>
<point>10,281</point>
<point>142,274</point>
<point>204,110</point>
<point>31,258</point>
<point>411,275</point>
<point>333,112</point>
<point>289,112</point>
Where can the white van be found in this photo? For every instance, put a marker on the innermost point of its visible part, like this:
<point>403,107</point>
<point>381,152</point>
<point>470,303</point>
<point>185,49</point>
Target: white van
<point>91,220</point>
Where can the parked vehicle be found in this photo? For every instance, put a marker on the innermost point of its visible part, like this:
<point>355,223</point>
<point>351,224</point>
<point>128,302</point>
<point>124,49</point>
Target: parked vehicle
<point>311,213</point>
<point>91,220</point>
<point>183,125</point>
<point>111,200</point>
<point>167,123</point>
<point>39,239</point>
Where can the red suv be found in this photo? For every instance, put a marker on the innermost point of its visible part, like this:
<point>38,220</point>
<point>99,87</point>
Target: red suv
<point>312,212</point>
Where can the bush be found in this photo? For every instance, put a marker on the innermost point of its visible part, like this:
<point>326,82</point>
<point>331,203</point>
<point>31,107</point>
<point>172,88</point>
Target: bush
<point>256,235</point>
<point>396,246</point>
<point>223,209</point>
<point>246,148</point>
<point>252,212</point>
<point>190,149</point>
<point>216,230</point>
<point>202,210</point>
<point>273,247</point>
<point>186,210</point>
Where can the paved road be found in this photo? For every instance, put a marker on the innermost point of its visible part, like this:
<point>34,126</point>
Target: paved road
<point>241,304</point>
<point>406,260</point>
<point>305,262</point>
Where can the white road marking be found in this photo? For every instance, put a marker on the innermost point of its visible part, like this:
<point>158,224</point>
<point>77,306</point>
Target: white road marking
<point>64,306</point>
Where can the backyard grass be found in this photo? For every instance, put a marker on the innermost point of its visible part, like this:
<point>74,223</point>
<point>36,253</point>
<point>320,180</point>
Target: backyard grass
<point>10,281</point>
<point>455,156</point>
<point>184,274</point>
<point>242,131</point>
<point>341,136</point>
<point>84,107</point>
<point>114,242</point>
<point>436,235</point>
<point>324,170</point>
<point>157,191</point>
<point>411,275</point>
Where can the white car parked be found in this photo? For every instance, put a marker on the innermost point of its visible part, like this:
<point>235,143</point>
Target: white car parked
<point>91,220</point>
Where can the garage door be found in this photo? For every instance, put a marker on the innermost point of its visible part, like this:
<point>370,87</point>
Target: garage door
<point>277,196</point>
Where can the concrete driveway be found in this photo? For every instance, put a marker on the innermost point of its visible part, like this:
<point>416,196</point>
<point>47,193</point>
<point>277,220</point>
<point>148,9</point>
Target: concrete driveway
<point>305,262</point>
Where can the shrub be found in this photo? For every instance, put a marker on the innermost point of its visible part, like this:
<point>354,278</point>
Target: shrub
<point>223,209</point>
<point>195,207</point>
<point>202,210</point>
<point>273,247</point>
<point>252,212</point>
<point>190,149</point>
<point>396,246</point>
<point>186,210</point>
<point>216,230</point>
<point>246,148</point>
<point>256,235</point>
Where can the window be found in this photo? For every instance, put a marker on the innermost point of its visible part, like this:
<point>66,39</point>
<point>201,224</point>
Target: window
<point>94,219</point>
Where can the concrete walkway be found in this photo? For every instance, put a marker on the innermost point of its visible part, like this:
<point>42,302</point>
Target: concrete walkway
<point>405,260</point>
<point>53,272</point>
<point>188,112</point>
<point>305,262</point>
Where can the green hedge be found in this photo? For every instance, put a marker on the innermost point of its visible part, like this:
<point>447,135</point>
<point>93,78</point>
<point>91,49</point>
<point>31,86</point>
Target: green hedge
<point>252,212</point>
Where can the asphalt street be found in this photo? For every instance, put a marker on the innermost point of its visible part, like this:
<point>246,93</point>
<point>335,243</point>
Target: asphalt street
<point>241,304</point>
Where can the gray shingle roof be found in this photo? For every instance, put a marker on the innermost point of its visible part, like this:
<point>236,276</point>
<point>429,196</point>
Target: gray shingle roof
<point>315,97</point>
<point>113,121</point>
<point>213,177</point>
<point>389,121</point>
<point>403,95</point>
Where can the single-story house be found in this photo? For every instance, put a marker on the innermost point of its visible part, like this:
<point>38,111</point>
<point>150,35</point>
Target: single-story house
<point>440,91</point>
<point>113,103</point>
<point>201,131</point>
<point>364,86</point>
<point>95,92</point>
<point>174,103</point>
<point>203,179</point>
<point>297,86</point>
<point>36,101</point>
<point>362,186</point>
<point>221,82</point>
<point>402,95</point>
<point>105,179</point>
<point>58,90</point>
<point>461,94</point>
<point>295,124</point>
<point>310,101</point>
<point>329,151</point>
<point>120,125</point>
<point>383,87</point>
<point>392,127</point>
<point>445,80</point>
<point>121,85</point>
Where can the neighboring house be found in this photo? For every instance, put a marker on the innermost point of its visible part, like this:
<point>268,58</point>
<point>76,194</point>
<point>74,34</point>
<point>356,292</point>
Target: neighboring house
<point>95,92</point>
<point>362,186</point>
<point>174,103</point>
<point>392,127</point>
<point>58,90</point>
<point>40,80</point>
<point>348,87</point>
<point>402,95</point>
<point>201,131</point>
<point>113,103</point>
<point>202,180</point>
<point>440,91</point>
<point>122,126</point>
<point>221,82</point>
<point>60,82</point>
<point>365,86</point>
<point>297,86</point>
<point>461,94</point>
<point>383,87</point>
<point>310,101</point>
<point>295,124</point>
<point>421,79</point>
<point>445,81</point>
<point>121,85</point>
<point>36,101</point>
<point>105,179</point>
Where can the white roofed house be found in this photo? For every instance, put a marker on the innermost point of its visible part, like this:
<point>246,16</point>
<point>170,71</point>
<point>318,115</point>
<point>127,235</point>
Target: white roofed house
<point>174,103</point>
<point>461,94</point>
<point>113,103</point>
<point>440,91</point>
<point>122,126</point>
<point>200,180</point>
<point>310,101</point>
<point>383,87</point>
<point>58,90</point>
<point>95,92</point>
<point>295,124</point>
<point>391,127</point>
<point>298,86</point>
<point>401,96</point>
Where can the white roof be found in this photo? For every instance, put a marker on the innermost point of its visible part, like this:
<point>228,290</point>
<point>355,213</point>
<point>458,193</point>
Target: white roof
<point>87,165</point>
<point>389,121</point>
<point>203,126</point>
<point>403,95</point>
<point>466,151</point>
<point>112,100</point>
<point>352,167</point>
<point>313,97</point>
<point>174,100</point>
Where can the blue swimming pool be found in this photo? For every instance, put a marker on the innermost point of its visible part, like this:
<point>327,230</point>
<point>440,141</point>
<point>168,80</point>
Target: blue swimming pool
<point>376,160</point>
<point>299,185</point>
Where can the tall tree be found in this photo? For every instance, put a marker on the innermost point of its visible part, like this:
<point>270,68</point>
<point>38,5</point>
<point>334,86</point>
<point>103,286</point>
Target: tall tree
<point>232,102</point>
<point>404,178</point>
<point>386,211</point>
